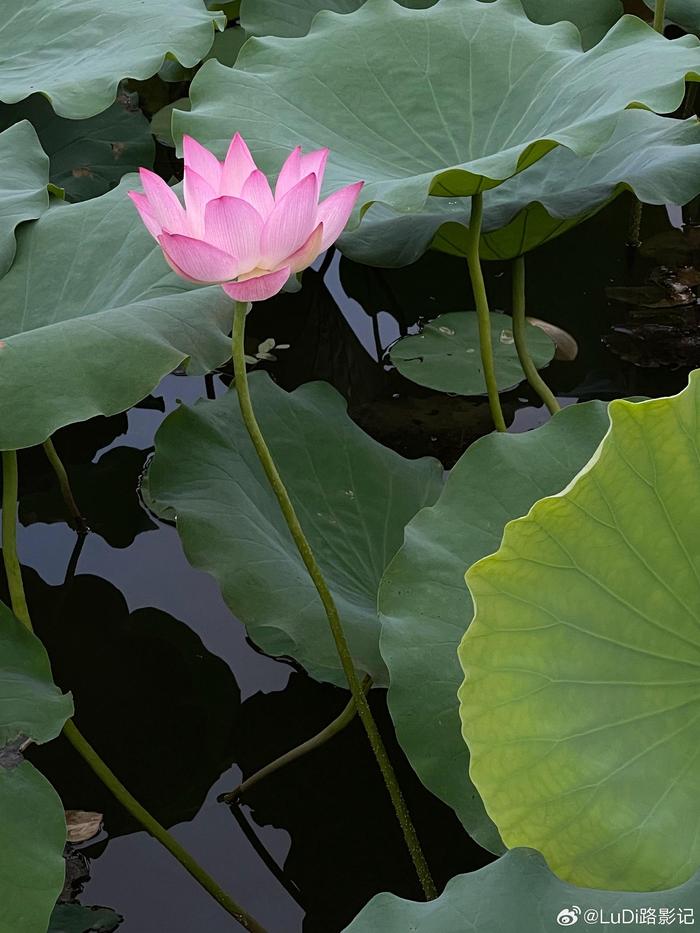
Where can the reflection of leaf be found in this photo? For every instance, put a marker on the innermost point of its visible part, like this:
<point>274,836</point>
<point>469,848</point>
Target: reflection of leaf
<point>653,156</point>
<point>156,704</point>
<point>76,54</point>
<point>92,329</point>
<point>24,175</point>
<point>72,918</point>
<point>422,127</point>
<point>519,894</point>
<point>581,704</point>
<point>285,18</point>
<point>445,354</point>
<point>353,497</point>
<point>302,799</point>
<point>32,829</point>
<point>425,607</point>
<point>106,493</point>
<point>88,157</point>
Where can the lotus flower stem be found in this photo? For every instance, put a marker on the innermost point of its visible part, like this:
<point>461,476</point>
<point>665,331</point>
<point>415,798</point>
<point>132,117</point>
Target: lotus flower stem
<point>659,15</point>
<point>325,735</point>
<point>307,555</point>
<point>519,333</point>
<point>482,310</point>
<point>77,520</point>
<point>70,730</point>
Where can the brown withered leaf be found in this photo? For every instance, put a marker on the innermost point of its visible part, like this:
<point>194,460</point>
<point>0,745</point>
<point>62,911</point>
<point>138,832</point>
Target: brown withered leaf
<point>82,825</point>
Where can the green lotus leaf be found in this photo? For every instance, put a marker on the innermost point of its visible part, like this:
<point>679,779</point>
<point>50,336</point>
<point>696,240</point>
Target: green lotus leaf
<point>451,117</point>
<point>684,12</point>
<point>655,157</point>
<point>581,701</point>
<point>92,318</point>
<point>519,894</point>
<point>280,18</point>
<point>88,157</point>
<point>353,497</point>
<point>77,53</point>
<point>73,918</point>
<point>24,175</point>
<point>33,828</point>
<point>445,354</point>
<point>425,607</point>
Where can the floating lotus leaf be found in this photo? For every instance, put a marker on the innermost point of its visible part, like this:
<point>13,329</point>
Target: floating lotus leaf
<point>655,157</point>
<point>425,607</point>
<point>281,18</point>
<point>33,828</point>
<point>353,497</point>
<point>478,93</point>
<point>684,12</point>
<point>91,319</point>
<point>76,53</point>
<point>24,175</point>
<point>519,894</point>
<point>88,157</point>
<point>445,354</point>
<point>581,703</point>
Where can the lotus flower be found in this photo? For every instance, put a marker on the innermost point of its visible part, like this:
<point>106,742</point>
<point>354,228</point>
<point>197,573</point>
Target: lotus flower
<point>233,231</point>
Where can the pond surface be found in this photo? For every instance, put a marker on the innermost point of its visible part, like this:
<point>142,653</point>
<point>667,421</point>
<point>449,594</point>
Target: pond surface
<point>166,685</point>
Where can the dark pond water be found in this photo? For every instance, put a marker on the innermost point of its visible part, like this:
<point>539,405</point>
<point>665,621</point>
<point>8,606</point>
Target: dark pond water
<point>166,685</point>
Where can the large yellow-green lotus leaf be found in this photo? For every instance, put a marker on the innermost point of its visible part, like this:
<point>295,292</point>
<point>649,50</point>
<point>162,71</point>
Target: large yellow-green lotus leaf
<point>581,698</point>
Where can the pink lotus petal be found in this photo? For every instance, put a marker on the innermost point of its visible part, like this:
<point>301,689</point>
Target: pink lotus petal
<point>147,215</point>
<point>238,165</point>
<point>234,226</point>
<point>199,261</point>
<point>163,202</point>
<point>335,211</point>
<point>290,173</point>
<point>256,190</point>
<point>308,252</point>
<point>259,287</point>
<point>198,193</point>
<point>314,163</point>
<point>290,223</point>
<point>200,160</point>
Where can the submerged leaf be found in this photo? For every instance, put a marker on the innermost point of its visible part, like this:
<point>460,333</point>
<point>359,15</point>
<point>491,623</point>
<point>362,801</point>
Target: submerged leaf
<point>581,703</point>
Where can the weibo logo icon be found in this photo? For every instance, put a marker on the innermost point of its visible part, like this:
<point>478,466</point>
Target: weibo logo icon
<point>568,916</point>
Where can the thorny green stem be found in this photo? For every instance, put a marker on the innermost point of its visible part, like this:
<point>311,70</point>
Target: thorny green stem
<point>482,310</point>
<point>77,519</point>
<point>520,336</point>
<point>325,735</point>
<point>307,555</point>
<point>71,731</point>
